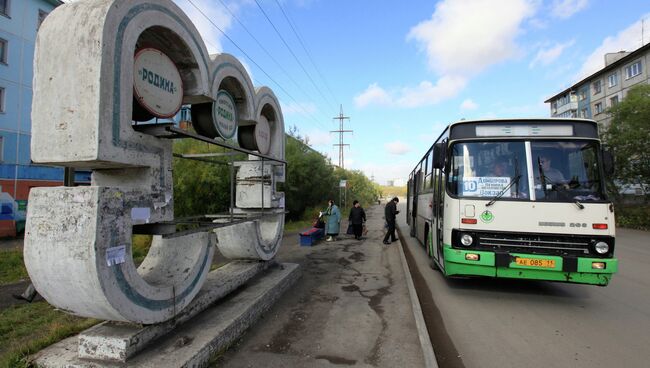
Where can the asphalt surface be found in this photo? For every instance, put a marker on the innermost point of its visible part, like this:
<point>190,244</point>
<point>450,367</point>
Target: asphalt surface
<point>350,308</point>
<point>511,323</point>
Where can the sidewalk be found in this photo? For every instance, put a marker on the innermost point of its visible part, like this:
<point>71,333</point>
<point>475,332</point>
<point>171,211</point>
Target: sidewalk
<point>351,307</point>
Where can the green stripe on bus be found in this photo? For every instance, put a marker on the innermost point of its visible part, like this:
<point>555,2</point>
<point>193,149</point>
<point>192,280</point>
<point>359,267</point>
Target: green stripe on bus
<point>456,264</point>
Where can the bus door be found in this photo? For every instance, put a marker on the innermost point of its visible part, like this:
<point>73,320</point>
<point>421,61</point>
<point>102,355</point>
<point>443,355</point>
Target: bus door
<point>409,193</point>
<point>416,190</point>
<point>437,216</point>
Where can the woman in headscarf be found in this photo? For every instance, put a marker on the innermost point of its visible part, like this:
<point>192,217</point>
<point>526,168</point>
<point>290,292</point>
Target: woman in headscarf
<point>333,225</point>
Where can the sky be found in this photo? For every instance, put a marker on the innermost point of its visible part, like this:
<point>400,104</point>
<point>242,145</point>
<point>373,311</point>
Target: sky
<point>402,71</point>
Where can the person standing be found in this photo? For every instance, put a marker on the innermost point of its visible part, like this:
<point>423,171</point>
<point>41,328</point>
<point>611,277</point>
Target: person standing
<point>390,211</point>
<point>333,221</point>
<point>357,218</point>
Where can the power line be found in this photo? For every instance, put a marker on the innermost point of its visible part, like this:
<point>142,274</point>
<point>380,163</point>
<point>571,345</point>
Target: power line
<point>292,53</point>
<point>264,49</point>
<point>295,32</point>
<point>253,61</point>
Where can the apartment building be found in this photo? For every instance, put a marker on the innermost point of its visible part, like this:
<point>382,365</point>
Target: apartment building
<point>19,23</point>
<point>592,96</point>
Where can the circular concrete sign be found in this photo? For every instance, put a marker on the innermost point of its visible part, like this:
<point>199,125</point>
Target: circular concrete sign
<point>263,135</point>
<point>157,83</point>
<point>225,114</point>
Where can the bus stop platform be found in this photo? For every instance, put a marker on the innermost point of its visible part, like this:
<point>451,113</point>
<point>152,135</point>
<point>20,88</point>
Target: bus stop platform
<point>354,306</point>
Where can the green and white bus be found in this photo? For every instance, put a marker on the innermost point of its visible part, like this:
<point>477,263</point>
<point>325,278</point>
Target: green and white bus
<point>516,198</point>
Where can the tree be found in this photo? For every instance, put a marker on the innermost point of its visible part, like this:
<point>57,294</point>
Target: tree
<point>309,178</point>
<point>200,187</point>
<point>628,135</point>
<point>204,187</point>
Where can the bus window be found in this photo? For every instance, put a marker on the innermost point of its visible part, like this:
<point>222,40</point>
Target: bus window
<point>428,171</point>
<point>485,169</point>
<point>566,171</point>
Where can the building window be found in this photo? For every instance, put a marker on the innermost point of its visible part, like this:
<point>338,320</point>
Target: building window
<point>5,7</point>
<point>613,101</point>
<point>582,95</point>
<point>2,99</point>
<point>42,14</point>
<point>633,70</point>
<point>2,148</point>
<point>612,80</point>
<point>597,87</point>
<point>583,113</point>
<point>598,107</point>
<point>4,45</point>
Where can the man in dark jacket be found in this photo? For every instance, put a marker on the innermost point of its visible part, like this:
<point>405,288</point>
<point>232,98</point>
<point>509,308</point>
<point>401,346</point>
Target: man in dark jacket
<point>390,211</point>
<point>357,218</point>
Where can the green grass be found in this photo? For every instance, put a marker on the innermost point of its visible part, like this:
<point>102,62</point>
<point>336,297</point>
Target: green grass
<point>140,245</point>
<point>293,226</point>
<point>12,266</point>
<point>28,328</point>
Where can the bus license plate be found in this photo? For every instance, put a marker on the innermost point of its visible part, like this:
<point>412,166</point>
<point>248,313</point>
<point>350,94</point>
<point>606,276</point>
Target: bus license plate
<point>531,262</point>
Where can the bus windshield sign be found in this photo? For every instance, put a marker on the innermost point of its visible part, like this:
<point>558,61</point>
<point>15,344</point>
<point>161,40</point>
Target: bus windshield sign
<point>524,130</point>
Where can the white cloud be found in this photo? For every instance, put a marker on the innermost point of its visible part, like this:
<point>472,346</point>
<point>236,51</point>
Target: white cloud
<point>319,138</point>
<point>424,94</point>
<point>382,173</point>
<point>216,13</point>
<point>428,94</point>
<point>566,8</point>
<point>301,108</point>
<point>373,95</point>
<point>628,39</point>
<point>546,56</point>
<point>463,37</point>
<point>468,104</point>
<point>397,148</point>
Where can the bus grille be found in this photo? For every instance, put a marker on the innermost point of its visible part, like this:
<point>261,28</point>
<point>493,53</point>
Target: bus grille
<point>539,244</point>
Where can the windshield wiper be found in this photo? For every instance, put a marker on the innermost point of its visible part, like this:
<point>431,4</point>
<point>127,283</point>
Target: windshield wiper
<point>542,177</point>
<point>503,191</point>
<point>580,205</point>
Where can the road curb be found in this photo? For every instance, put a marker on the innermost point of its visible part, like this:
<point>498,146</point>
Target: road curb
<point>423,334</point>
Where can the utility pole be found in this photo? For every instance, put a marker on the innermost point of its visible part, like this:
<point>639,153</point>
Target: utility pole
<point>341,118</point>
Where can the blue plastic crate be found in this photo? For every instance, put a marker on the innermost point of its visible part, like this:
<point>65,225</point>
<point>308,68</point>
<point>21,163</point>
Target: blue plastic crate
<point>309,237</point>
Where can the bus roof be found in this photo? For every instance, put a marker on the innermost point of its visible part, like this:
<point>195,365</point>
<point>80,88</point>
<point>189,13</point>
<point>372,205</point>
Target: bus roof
<point>524,120</point>
<point>524,127</point>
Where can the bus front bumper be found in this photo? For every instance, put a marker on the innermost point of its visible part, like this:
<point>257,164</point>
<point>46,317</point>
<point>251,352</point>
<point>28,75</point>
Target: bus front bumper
<point>594,271</point>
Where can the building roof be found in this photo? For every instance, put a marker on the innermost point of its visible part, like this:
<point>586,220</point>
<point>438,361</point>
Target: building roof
<point>614,65</point>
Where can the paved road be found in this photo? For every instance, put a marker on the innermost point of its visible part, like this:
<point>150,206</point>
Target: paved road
<point>511,323</point>
<point>350,308</point>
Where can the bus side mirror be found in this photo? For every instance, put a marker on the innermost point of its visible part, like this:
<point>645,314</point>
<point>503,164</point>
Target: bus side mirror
<point>608,162</point>
<point>439,153</point>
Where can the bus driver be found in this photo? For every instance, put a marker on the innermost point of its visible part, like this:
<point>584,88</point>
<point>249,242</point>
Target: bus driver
<point>551,175</point>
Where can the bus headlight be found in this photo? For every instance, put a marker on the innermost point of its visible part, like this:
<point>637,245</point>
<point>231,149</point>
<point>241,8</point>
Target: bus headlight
<point>601,247</point>
<point>466,240</point>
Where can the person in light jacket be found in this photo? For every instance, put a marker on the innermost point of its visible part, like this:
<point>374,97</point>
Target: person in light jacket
<point>333,224</point>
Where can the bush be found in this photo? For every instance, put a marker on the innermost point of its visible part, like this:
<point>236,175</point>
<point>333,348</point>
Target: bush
<point>633,216</point>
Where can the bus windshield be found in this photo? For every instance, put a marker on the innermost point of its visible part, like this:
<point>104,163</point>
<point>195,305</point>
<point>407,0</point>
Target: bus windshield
<point>562,170</point>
